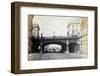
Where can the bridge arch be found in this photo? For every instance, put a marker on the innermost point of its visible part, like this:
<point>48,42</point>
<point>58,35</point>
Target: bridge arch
<point>63,45</point>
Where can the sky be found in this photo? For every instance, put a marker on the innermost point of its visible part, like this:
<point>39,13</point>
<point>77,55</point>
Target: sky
<point>54,25</point>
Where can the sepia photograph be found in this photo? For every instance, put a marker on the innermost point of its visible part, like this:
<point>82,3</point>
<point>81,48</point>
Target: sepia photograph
<point>52,37</point>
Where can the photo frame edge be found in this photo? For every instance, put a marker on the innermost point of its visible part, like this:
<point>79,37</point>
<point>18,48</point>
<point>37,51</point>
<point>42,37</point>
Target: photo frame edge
<point>15,41</point>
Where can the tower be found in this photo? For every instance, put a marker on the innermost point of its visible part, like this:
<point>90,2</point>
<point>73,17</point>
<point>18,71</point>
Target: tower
<point>35,31</point>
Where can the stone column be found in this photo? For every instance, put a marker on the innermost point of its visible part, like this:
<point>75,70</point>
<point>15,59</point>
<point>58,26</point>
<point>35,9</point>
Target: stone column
<point>67,48</point>
<point>79,50</point>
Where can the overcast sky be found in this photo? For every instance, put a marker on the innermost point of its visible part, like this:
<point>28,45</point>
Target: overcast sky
<point>54,25</point>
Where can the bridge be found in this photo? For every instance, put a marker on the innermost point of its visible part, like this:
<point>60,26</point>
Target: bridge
<point>69,44</point>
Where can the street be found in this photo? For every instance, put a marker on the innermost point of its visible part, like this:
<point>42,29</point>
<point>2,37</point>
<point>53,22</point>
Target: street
<point>54,56</point>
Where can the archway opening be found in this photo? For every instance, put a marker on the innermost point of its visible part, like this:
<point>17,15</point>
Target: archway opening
<point>72,47</point>
<point>58,47</point>
<point>52,48</point>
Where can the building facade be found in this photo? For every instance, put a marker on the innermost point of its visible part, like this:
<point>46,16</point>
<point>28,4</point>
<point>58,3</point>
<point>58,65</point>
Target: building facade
<point>30,28</point>
<point>35,30</point>
<point>74,32</point>
<point>84,32</point>
<point>33,34</point>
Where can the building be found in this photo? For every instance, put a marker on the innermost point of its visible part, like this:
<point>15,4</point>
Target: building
<point>79,29</point>
<point>84,32</point>
<point>30,28</point>
<point>33,34</point>
<point>35,30</point>
<point>74,32</point>
<point>35,38</point>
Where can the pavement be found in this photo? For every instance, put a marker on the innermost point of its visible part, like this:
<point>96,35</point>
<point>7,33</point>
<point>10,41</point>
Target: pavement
<point>54,56</point>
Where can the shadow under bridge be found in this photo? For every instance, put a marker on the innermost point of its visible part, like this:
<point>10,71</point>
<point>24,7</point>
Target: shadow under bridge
<point>47,42</point>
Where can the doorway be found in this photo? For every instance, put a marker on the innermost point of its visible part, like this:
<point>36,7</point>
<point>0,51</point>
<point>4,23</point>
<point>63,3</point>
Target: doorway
<point>72,47</point>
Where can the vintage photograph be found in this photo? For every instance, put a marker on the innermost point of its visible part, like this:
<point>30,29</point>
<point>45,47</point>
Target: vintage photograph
<point>53,37</point>
<point>57,37</point>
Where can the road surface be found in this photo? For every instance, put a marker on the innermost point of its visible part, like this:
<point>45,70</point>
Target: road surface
<point>54,56</point>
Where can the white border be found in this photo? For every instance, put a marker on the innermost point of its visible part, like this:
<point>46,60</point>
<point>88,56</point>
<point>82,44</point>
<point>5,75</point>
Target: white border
<point>25,64</point>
